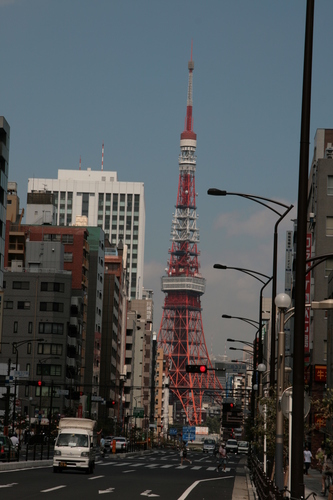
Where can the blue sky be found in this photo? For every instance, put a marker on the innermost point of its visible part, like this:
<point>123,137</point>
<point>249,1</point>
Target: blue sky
<point>77,73</point>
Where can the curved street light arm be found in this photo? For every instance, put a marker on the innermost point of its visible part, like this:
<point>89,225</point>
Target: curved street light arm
<point>241,342</point>
<point>250,272</point>
<point>253,197</point>
<point>251,322</point>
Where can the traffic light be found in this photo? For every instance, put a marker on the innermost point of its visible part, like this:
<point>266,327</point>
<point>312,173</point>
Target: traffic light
<point>110,404</point>
<point>196,368</point>
<point>36,383</point>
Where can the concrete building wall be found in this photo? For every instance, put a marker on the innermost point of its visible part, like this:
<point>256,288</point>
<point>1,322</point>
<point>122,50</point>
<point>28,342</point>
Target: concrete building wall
<point>117,207</point>
<point>37,306</point>
<point>4,160</point>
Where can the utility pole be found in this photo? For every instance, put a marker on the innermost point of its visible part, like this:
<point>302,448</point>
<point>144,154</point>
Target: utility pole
<point>6,421</point>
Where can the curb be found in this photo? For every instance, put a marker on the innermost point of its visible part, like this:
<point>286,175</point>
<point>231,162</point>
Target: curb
<point>31,464</point>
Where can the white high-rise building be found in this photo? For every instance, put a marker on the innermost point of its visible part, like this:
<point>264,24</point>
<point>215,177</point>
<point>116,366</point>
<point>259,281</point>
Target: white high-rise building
<point>117,207</point>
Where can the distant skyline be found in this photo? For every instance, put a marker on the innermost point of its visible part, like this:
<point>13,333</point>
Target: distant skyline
<point>77,74</point>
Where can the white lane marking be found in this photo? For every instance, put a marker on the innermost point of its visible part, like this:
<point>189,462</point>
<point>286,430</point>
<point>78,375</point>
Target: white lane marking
<point>151,466</point>
<point>126,471</point>
<point>109,490</point>
<point>148,493</point>
<point>7,485</point>
<point>196,467</point>
<point>121,464</point>
<point>190,488</point>
<point>166,466</point>
<point>211,468</point>
<point>54,489</point>
<point>136,465</point>
<point>94,477</point>
<point>182,467</point>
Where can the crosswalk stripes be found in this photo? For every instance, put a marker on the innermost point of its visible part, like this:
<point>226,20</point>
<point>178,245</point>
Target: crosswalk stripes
<point>167,466</point>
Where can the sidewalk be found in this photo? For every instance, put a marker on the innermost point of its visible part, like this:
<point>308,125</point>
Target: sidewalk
<point>312,482</point>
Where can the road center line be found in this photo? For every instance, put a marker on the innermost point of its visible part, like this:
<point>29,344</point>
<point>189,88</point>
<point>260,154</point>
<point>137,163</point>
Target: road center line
<point>195,484</point>
<point>53,489</point>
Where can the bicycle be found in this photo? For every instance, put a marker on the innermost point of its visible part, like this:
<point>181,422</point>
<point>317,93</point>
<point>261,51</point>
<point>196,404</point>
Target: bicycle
<point>311,494</point>
<point>328,482</point>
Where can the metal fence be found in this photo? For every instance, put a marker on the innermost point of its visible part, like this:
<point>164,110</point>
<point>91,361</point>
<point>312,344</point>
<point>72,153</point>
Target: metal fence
<point>265,488</point>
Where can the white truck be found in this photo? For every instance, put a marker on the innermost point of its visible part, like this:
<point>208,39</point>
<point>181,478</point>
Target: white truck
<point>75,446</point>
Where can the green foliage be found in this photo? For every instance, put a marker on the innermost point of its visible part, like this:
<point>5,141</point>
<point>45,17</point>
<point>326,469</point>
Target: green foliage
<point>213,424</point>
<point>324,408</point>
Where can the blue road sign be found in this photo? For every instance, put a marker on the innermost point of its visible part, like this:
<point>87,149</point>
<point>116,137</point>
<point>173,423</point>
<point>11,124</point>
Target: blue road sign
<point>173,432</point>
<point>189,433</point>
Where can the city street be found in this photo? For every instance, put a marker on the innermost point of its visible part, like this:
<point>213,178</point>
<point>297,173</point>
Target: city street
<point>157,475</point>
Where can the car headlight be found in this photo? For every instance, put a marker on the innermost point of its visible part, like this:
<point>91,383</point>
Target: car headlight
<point>57,452</point>
<point>85,454</point>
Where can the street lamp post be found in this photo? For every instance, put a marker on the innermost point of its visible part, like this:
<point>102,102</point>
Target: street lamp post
<point>266,203</point>
<point>16,345</point>
<point>297,480</point>
<point>282,301</point>
<point>41,362</point>
<point>258,276</point>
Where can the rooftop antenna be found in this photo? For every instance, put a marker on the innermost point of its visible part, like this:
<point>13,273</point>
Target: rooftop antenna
<point>102,155</point>
<point>80,163</point>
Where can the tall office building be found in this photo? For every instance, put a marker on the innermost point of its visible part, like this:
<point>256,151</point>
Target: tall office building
<point>4,158</point>
<point>117,207</point>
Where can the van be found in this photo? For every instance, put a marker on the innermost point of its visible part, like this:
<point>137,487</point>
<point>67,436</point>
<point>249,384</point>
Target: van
<point>75,446</point>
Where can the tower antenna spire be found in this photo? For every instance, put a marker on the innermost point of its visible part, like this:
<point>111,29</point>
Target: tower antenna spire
<point>188,129</point>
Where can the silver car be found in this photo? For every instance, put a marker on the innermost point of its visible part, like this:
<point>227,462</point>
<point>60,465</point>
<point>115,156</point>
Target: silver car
<point>232,446</point>
<point>243,447</point>
<point>209,446</point>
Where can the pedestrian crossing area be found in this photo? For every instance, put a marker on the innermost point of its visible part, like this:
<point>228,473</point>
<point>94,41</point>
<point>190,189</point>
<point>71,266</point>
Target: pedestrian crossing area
<point>154,466</point>
<point>158,461</point>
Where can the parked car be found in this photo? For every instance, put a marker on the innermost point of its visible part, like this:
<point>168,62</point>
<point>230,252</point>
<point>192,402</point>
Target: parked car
<point>8,451</point>
<point>108,443</point>
<point>209,446</point>
<point>231,446</point>
<point>121,443</point>
<point>243,447</point>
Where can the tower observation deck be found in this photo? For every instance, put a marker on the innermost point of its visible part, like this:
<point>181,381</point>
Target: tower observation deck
<point>181,333</point>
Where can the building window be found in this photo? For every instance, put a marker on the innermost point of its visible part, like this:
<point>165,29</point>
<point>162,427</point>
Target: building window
<point>85,204</point>
<point>8,304</point>
<point>47,286</point>
<point>56,328</point>
<point>21,285</point>
<point>29,348</point>
<point>328,266</point>
<point>21,304</point>
<point>67,239</point>
<point>329,226</point>
<point>15,327</point>
<point>330,185</point>
<point>51,306</point>
<point>68,257</point>
<point>30,327</point>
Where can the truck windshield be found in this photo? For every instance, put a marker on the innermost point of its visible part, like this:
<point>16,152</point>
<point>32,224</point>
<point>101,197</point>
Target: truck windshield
<point>72,440</point>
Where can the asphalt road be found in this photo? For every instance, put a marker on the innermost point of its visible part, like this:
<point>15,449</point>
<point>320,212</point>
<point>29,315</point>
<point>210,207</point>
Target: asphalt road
<point>157,475</point>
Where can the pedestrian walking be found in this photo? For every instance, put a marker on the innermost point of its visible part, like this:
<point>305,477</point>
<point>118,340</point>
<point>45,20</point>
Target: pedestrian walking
<point>102,446</point>
<point>223,457</point>
<point>307,460</point>
<point>322,464</point>
<point>183,454</point>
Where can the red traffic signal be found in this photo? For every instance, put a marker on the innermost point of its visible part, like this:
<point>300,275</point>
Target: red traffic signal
<point>196,368</point>
<point>39,383</point>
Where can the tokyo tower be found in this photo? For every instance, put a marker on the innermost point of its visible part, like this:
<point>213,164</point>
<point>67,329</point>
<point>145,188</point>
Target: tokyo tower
<point>181,334</point>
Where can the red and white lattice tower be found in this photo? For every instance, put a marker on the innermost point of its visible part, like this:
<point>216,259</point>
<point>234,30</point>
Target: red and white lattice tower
<point>181,332</point>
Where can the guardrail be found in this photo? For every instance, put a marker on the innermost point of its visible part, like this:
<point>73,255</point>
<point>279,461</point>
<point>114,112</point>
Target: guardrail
<point>265,488</point>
